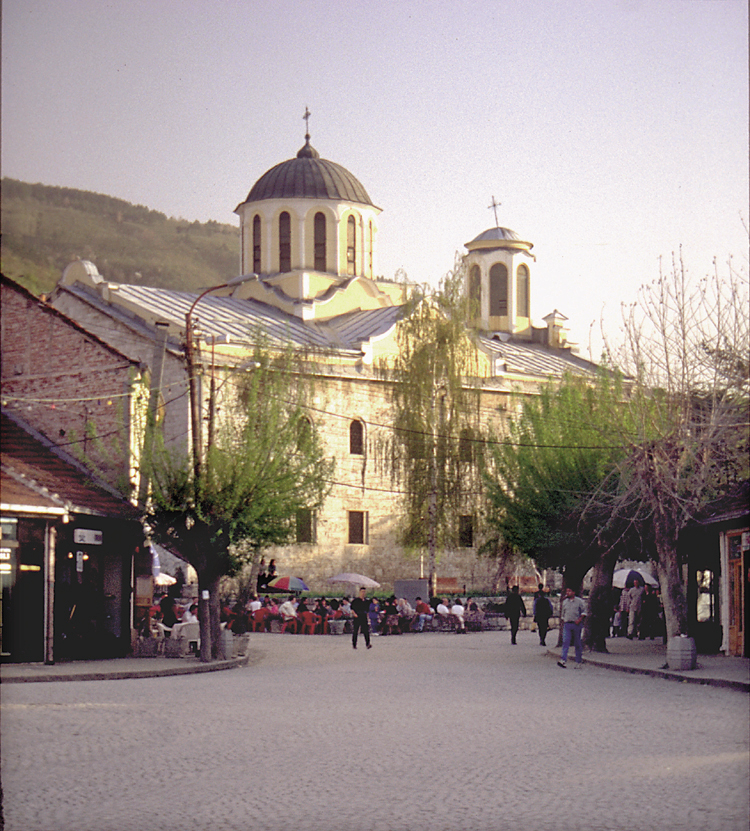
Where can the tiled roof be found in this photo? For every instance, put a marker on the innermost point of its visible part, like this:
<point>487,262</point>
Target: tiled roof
<point>42,478</point>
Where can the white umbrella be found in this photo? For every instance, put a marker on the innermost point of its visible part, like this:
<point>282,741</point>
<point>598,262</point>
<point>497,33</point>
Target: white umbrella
<point>163,579</point>
<point>625,576</point>
<point>355,579</point>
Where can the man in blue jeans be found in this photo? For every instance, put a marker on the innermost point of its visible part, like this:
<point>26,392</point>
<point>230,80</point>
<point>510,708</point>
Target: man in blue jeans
<point>572,617</point>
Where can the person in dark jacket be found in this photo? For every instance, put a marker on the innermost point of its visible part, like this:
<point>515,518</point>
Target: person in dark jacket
<point>542,614</point>
<point>514,608</point>
<point>361,609</point>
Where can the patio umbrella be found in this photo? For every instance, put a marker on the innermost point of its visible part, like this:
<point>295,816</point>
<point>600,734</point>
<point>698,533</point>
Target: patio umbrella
<point>163,579</point>
<point>288,584</point>
<point>624,578</point>
<point>355,579</point>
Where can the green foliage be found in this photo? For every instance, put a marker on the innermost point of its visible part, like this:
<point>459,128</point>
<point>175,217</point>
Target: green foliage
<point>265,464</point>
<point>551,477</point>
<point>435,449</point>
<point>45,228</point>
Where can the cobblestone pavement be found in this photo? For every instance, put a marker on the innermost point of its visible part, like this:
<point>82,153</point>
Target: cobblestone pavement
<point>431,731</point>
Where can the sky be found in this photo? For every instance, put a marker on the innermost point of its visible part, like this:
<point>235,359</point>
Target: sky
<point>611,132</point>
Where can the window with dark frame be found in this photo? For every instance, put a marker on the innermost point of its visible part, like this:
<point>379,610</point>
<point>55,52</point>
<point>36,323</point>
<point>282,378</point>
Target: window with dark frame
<point>356,438</point>
<point>256,244</point>
<point>285,242</point>
<point>466,531</point>
<point>522,291</point>
<point>498,290</point>
<point>351,245</point>
<point>357,527</point>
<point>320,241</point>
<point>305,526</point>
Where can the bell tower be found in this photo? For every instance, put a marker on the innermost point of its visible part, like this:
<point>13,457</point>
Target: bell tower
<point>499,265</point>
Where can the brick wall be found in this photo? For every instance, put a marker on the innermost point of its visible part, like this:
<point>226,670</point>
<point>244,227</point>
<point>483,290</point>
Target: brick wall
<point>65,383</point>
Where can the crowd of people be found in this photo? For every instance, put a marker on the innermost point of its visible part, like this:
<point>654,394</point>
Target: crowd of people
<point>638,613</point>
<point>392,616</point>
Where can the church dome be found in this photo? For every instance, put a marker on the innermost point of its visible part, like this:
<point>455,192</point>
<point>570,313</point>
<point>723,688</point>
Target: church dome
<point>497,234</point>
<point>494,238</point>
<point>309,177</point>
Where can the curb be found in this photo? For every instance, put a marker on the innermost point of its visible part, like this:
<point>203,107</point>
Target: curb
<point>119,675</point>
<point>670,675</point>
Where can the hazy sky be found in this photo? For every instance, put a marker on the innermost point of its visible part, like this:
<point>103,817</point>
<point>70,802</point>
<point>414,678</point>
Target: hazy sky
<point>612,131</point>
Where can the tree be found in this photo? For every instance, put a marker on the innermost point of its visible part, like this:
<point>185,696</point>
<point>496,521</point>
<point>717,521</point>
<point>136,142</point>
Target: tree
<point>547,485</point>
<point>433,452</point>
<point>264,464</point>
<point>685,345</point>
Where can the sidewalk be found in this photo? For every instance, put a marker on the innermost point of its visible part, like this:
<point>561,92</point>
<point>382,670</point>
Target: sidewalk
<point>644,657</point>
<point>113,669</point>
<point>650,657</point>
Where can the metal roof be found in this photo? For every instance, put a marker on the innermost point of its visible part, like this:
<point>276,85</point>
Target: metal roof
<point>231,320</point>
<point>535,359</point>
<point>309,177</point>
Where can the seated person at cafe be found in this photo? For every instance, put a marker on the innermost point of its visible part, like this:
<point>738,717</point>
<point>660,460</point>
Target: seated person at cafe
<point>424,614</point>
<point>168,606</point>
<point>457,610</point>
<point>288,613</point>
<point>190,615</point>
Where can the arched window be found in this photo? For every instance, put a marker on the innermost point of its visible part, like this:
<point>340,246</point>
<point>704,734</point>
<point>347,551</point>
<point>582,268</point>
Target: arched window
<point>285,242</point>
<point>320,241</point>
<point>256,244</point>
<point>475,290</point>
<point>370,252</point>
<point>498,290</point>
<point>522,291</point>
<point>356,438</point>
<point>351,245</point>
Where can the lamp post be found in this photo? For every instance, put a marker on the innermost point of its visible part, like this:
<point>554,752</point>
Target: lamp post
<point>190,361</point>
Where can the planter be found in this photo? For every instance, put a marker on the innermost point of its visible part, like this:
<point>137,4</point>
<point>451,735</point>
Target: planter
<point>681,653</point>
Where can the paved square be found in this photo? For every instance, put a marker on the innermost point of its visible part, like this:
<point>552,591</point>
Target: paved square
<point>435,731</point>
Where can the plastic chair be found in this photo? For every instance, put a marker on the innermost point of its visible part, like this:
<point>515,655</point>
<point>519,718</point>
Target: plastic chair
<point>309,622</point>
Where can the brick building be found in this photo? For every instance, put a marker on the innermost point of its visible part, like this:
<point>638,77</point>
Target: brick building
<point>70,406</point>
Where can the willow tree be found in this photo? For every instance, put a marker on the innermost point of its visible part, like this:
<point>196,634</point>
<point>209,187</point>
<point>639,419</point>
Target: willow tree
<point>548,484</point>
<point>433,452</point>
<point>265,463</point>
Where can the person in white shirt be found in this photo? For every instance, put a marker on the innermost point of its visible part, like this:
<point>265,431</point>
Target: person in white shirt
<point>442,608</point>
<point>572,616</point>
<point>457,610</point>
<point>254,604</point>
<point>190,615</point>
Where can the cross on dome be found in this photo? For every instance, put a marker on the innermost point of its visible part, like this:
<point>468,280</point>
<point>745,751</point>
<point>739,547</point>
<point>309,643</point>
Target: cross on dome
<point>495,205</point>
<point>306,119</point>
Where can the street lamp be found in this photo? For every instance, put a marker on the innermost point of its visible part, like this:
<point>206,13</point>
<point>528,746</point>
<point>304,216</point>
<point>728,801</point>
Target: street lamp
<point>195,404</point>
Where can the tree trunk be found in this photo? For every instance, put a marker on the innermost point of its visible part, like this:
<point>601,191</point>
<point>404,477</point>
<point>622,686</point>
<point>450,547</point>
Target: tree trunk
<point>596,628</point>
<point>672,589</point>
<point>209,608</point>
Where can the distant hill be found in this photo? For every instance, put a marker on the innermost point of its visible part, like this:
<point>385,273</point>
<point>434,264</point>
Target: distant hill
<point>44,228</point>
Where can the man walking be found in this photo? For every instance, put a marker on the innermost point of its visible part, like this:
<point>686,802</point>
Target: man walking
<point>360,609</point>
<point>542,614</point>
<point>514,608</point>
<point>635,596</point>
<point>572,617</point>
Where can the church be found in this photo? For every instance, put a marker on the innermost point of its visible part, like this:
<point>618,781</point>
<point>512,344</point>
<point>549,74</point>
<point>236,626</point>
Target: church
<point>308,277</point>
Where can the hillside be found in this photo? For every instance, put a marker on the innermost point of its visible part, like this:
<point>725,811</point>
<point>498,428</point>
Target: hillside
<point>44,228</point>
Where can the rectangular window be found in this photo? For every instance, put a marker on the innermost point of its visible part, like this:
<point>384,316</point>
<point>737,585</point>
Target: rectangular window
<point>466,531</point>
<point>305,521</point>
<point>358,530</point>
